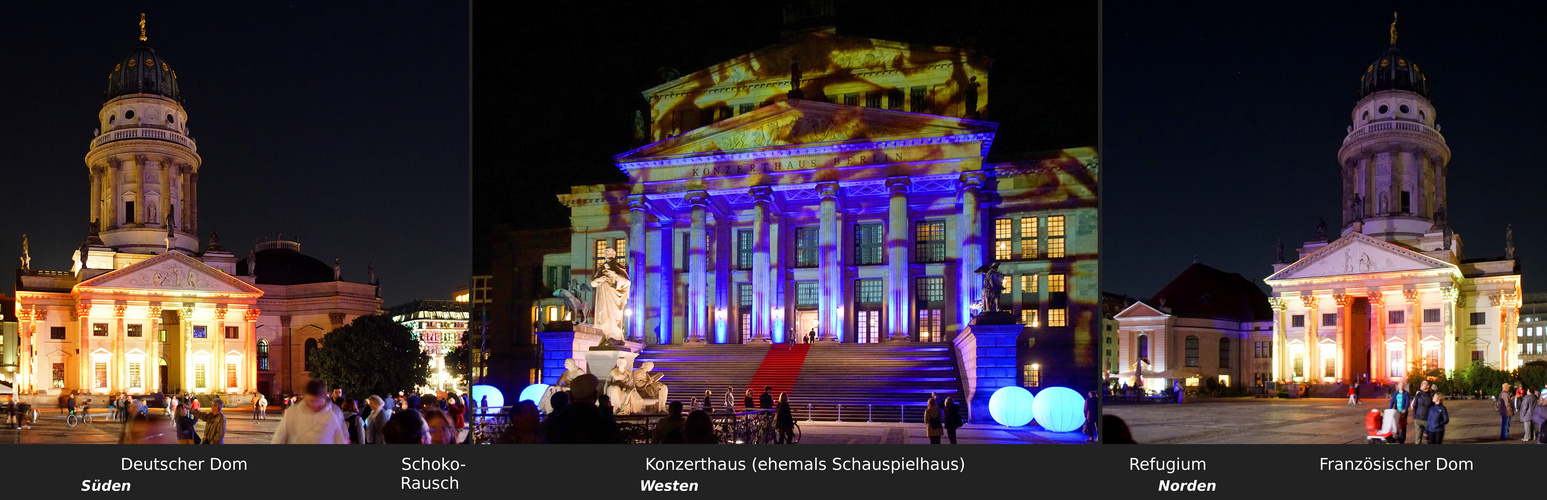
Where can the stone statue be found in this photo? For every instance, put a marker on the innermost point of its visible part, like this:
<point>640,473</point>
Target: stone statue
<point>1509,242</point>
<point>795,92</point>
<point>1356,208</point>
<point>252,262</point>
<point>611,286</point>
<point>26,256</point>
<point>625,398</point>
<point>338,271</point>
<point>170,222</point>
<point>95,228</point>
<point>1280,250</point>
<point>971,99</point>
<point>370,272</point>
<point>649,386</point>
<point>993,286</point>
<point>639,127</point>
<point>571,371</point>
<point>214,242</point>
<point>577,306</point>
<point>1321,229</point>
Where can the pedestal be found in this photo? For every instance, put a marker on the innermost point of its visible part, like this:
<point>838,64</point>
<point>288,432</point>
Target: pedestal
<point>599,361</point>
<point>987,350</point>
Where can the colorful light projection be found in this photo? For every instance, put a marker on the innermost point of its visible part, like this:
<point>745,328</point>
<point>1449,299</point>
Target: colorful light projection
<point>1058,409</point>
<point>533,393</point>
<point>1011,406</point>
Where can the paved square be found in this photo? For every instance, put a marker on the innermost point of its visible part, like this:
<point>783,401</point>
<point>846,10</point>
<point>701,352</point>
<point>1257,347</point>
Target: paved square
<point>1292,421</point>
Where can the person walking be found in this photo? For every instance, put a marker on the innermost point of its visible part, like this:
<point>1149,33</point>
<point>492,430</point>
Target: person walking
<point>455,409</point>
<point>747,401</point>
<point>784,420</point>
<point>953,418</point>
<point>172,407</point>
<point>1539,418</point>
<point>214,421</point>
<point>263,407</point>
<point>380,415</point>
<point>1353,394</point>
<point>185,427</point>
<point>1422,401</point>
<point>933,422</point>
<point>766,400</point>
<point>254,402</point>
<point>1506,411</point>
<point>1439,417</point>
<point>708,402</point>
<point>353,422</point>
<point>1398,401</point>
<point>316,420</point>
<point>1528,409</point>
<point>730,399</point>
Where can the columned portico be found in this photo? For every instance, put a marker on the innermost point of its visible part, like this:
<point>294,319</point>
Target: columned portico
<point>638,269</point>
<point>969,227</point>
<point>698,281</point>
<point>899,313</point>
<point>831,271</point>
<point>762,289</point>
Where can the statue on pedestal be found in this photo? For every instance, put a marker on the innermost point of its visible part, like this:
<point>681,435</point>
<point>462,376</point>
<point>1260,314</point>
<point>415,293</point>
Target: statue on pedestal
<point>649,386</point>
<point>611,298</point>
<point>993,286</point>
<point>1509,242</point>
<point>1321,229</point>
<point>338,271</point>
<point>571,371</point>
<point>621,390</point>
<point>26,257</point>
<point>577,306</point>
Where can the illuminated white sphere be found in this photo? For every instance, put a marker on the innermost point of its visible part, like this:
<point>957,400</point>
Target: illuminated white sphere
<point>496,399</point>
<point>1059,409</point>
<point>533,393</point>
<point>1011,406</point>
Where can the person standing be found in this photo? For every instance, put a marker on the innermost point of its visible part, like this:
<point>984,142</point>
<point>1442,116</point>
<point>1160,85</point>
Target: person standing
<point>933,422</point>
<point>747,401</point>
<point>669,429</point>
<point>1528,403</point>
<point>1506,411</point>
<point>766,400</point>
<point>263,407</point>
<point>1092,412</point>
<point>185,427</point>
<point>380,415</point>
<point>1439,416</point>
<point>953,418</point>
<point>1398,401</point>
<point>1422,401</point>
<point>316,420</point>
<point>456,410</point>
<point>214,421</point>
<point>353,422</point>
<point>730,399</point>
<point>784,420</point>
<point>1352,395</point>
<point>172,407</point>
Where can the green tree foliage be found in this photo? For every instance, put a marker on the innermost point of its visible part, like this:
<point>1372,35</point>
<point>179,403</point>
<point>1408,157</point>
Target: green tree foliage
<point>457,360</point>
<point>1534,376</point>
<point>371,355</point>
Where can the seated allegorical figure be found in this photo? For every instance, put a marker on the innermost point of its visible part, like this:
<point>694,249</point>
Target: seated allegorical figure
<point>649,386</point>
<point>620,389</point>
<point>571,370</point>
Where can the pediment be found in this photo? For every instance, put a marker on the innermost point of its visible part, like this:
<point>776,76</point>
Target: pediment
<point>797,123</point>
<point>1358,254</point>
<point>1140,310</point>
<point>170,272</point>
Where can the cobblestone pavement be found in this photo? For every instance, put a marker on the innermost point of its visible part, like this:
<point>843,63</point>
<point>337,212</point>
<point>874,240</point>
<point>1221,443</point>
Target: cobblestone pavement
<point>1293,421</point>
<point>52,429</point>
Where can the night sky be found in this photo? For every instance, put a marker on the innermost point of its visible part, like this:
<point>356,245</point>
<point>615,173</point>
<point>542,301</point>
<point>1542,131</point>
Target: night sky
<point>341,124</point>
<point>556,84</point>
<point>1222,123</point>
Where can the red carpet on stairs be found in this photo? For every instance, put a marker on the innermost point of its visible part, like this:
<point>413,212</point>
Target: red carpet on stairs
<point>780,368</point>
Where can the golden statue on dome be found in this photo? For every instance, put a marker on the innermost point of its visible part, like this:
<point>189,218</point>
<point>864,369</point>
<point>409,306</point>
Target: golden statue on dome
<point>142,26</point>
<point>1393,28</point>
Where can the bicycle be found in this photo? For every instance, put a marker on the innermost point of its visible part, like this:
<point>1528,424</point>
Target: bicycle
<point>85,416</point>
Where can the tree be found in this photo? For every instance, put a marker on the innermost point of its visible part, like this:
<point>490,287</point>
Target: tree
<point>371,355</point>
<point>457,360</point>
<point>1532,375</point>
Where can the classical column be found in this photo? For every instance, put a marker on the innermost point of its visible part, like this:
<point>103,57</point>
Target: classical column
<point>899,313</point>
<point>139,190</point>
<point>698,282</point>
<point>95,175</point>
<point>151,370</point>
<point>1345,334</point>
<point>24,347</point>
<point>1508,334</point>
<point>666,279</point>
<point>250,318</point>
<point>185,330</point>
<point>1414,326</point>
<point>165,185</point>
<point>1313,367</point>
<point>285,341</point>
<point>762,303</point>
<point>219,354</point>
<point>831,320</point>
<point>184,187</point>
<point>1278,355</point>
<point>1378,357</point>
<point>193,203</point>
<point>112,204</point>
<point>638,268</point>
<point>969,228</point>
<point>83,356</point>
<point>120,372</point>
<point>722,277</point>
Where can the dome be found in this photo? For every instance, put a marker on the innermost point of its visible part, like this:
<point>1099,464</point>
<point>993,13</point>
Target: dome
<point>286,266</point>
<point>1393,71</point>
<point>142,72</point>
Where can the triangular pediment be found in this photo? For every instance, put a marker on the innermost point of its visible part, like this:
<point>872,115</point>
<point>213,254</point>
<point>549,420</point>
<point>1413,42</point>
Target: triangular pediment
<point>799,123</point>
<point>170,272</point>
<point>1358,254</point>
<point>1140,310</point>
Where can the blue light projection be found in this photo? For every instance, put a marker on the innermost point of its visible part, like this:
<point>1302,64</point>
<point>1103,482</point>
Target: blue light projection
<point>1059,409</point>
<point>533,393</point>
<point>496,399</point>
<point>1011,406</point>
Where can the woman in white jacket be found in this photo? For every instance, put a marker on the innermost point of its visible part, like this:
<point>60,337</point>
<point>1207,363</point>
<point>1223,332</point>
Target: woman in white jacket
<point>315,421</point>
<point>380,414</point>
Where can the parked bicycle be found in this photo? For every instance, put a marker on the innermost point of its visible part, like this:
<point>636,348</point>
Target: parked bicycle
<point>84,416</point>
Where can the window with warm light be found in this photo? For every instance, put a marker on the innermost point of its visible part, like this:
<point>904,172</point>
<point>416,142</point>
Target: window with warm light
<point>1055,283</point>
<point>1029,237</point>
<point>1055,237</point>
<point>1032,375</point>
<point>929,240</point>
<point>929,294</point>
<point>867,310</point>
<point>1030,318</point>
<point>1057,317</point>
<point>1001,239</point>
<point>99,374</point>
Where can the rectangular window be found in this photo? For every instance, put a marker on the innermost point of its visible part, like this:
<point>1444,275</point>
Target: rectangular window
<point>56,333</point>
<point>1029,237</point>
<point>1479,318</point>
<point>1055,237</point>
<point>929,301</point>
<point>1396,362</point>
<point>929,240</point>
<point>1407,202</point>
<point>867,244</point>
<point>1299,365</point>
<point>1001,239</point>
<point>1477,356</point>
<point>867,307</point>
<point>231,375</point>
<point>134,376</point>
<point>1029,286</point>
<point>743,249</point>
<point>726,112</point>
<point>58,375</point>
<point>1297,321</point>
<point>1057,317</point>
<point>1224,353</point>
<point>1055,283</point>
<point>851,99</point>
<point>1030,318</point>
<point>1329,367</point>
<point>894,99</point>
<point>918,99</point>
<point>129,212</point>
<point>1394,317</point>
<point>867,293</point>
<point>136,330</point>
<point>99,374</point>
<point>199,376</point>
<point>873,99</point>
<point>1192,351</point>
<point>807,295</point>
<point>200,332</point>
<point>620,248</point>
<point>99,329</point>
<point>1032,374</point>
<point>807,246</point>
<point>231,332</point>
<point>745,108</point>
<point>867,326</point>
<point>163,335</point>
<point>1329,319</point>
<point>263,362</point>
<point>705,116</point>
<point>599,256</point>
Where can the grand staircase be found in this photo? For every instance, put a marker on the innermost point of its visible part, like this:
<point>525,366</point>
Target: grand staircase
<point>690,370</point>
<point>780,369</point>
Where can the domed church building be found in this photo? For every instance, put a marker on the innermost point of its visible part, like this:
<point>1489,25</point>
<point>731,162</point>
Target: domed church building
<point>144,308</point>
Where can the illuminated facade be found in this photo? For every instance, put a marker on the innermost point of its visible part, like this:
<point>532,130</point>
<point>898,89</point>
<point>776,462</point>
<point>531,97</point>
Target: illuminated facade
<point>1393,291</point>
<point>1206,324</point>
<point>438,325</point>
<point>840,185</point>
<point>144,309</point>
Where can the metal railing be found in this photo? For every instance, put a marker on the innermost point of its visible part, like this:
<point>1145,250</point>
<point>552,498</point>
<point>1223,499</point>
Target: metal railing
<point>144,133</point>
<point>1394,125</point>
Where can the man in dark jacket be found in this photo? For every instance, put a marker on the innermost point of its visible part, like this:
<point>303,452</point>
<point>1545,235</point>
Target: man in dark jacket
<point>953,418</point>
<point>1422,400</point>
<point>669,429</point>
<point>1439,416</point>
<point>784,420</point>
<point>1401,400</point>
<point>766,400</point>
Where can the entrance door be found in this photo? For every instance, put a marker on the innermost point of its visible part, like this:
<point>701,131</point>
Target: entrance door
<point>1358,350</point>
<point>163,377</point>
<point>805,322</point>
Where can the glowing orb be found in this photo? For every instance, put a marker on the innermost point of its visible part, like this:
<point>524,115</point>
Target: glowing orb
<point>1011,406</point>
<point>533,393</point>
<point>496,399</point>
<point>1059,409</point>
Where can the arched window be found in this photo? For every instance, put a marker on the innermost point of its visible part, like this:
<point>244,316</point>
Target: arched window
<point>1192,351</point>
<point>311,345</point>
<point>1224,352</point>
<point>263,354</point>
<point>1144,348</point>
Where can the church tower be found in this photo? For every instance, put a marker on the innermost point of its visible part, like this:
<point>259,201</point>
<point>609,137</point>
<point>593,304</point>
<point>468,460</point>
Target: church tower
<point>1394,158</point>
<point>143,168</point>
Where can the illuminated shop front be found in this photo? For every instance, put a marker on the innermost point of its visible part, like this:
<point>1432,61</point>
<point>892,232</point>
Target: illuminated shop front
<point>438,325</point>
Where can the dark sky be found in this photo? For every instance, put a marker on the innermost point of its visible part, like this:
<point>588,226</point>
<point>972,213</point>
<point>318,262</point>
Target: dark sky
<point>556,84</point>
<point>342,124</point>
<point>1222,122</point>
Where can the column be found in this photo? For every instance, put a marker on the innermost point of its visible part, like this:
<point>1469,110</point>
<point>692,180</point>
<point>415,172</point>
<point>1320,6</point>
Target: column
<point>830,319</point>
<point>1281,371</point>
<point>185,327</point>
<point>969,228</point>
<point>139,191</point>
<point>285,347</point>
<point>1345,369</point>
<point>184,184</point>
<point>166,192</point>
<point>666,279</point>
<point>120,369</point>
<point>1414,326</point>
<point>698,281</point>
<point>899,311</point>
<point>193,203</point>
<point>112,203</point>
<point>218,362</point>
<point>638,269</point>
<point>151,370</point>
<point>722,278</point>
<point>1313,367</point>
<point>1379,360</point>
<point>95,175</point>
<point>83,358</point>
<point>762,305</point>
<point>250,318</point>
